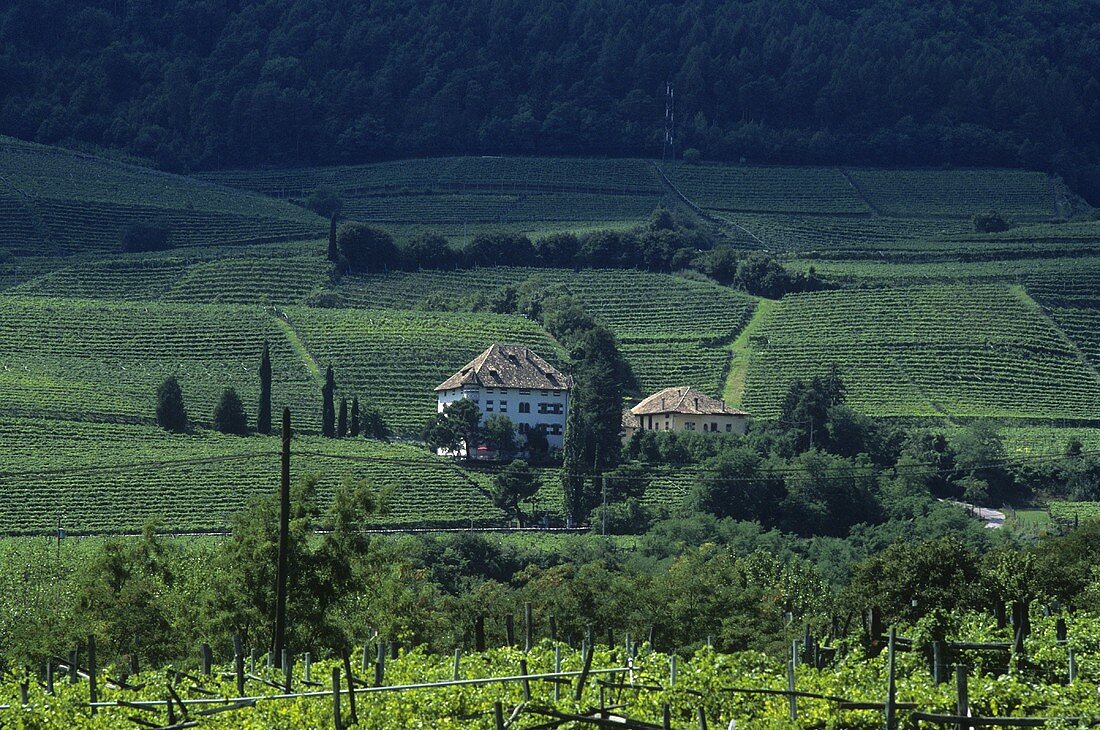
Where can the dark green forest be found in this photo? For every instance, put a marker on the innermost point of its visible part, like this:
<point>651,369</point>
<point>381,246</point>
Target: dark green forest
<point>199,84</point>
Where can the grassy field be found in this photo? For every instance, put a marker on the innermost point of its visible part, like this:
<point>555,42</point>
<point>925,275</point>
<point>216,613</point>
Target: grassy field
<point>55,202</point>
<point>979,350</point>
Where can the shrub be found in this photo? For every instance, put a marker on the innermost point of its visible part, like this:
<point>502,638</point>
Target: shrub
<point>692,156</point>
<point>990,222</point>
<point>171,413</point>
<point>325,201</point>
<point>150,236</point>
<point>229,414</point>
<point>366,249</point>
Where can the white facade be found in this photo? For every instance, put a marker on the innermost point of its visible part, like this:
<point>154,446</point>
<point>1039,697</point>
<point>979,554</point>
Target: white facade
<point>527,408</point>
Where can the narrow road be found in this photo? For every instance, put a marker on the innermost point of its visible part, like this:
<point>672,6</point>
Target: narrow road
<point>994,519</point>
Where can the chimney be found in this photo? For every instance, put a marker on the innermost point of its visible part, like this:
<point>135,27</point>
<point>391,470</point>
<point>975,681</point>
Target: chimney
<point>696,404</point>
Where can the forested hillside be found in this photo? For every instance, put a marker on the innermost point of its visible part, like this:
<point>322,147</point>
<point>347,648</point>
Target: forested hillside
<point>216,83</point>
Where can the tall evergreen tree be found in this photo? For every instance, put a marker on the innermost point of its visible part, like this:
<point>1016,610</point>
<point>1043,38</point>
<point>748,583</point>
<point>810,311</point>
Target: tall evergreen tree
<point>333,252</point>
<point>263,418</point>
<point>342,421</point>
<point>574,469</point>
<point>354,416</point>
<point>328,407</point>
<point>171,413</point>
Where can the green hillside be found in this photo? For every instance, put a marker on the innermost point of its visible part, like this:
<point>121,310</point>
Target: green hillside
<point>956,350</point>
<point>264,277</point>
<point>670,328</point>
<point>900,214</point>
<point>84,474</point>
<point>100,360</point>
<point>54,202</point>
<point>478,192</point>
<point>393,360</point>
<point>956,193</point>
<point>768,189</point>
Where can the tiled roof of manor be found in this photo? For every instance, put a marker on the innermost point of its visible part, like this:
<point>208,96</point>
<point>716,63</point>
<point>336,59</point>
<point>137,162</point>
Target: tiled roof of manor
<point>508,366</point>
<point>684,399</point>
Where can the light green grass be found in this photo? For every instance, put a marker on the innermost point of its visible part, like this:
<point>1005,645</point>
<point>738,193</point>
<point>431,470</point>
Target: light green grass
<point>741,354</point>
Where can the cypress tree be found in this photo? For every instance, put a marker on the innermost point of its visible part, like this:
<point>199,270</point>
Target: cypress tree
<point>263,419</point>
<point>328,407</point>
<point>342,423</point>
<point>229,414</point>
<point>333,252</point>
<point>573,466</point>
<point>171,414</point>
<point>355,416</point>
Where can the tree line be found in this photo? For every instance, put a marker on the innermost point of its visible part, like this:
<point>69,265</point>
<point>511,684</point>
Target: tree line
<point>260,82</point>
<point>230,416</point>
<point>687,578</point>
<point>666,243</point>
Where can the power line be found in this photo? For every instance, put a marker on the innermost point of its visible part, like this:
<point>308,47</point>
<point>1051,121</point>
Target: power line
<point>869,470</point>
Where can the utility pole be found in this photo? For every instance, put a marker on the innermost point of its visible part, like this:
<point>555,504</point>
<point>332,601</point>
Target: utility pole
<point>604,511</point>
<point>284,546</point>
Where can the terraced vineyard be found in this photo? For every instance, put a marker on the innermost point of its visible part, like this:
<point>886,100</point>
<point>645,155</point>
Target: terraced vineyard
<point>965,351</point>
<point>1072,298</point>
<point>473,191</point>
<point>198,488</point>
<point>265,279</point>
<point>502,174</point>
<point>252,280</point>
<point>99,360</point>
<point>857,236</point>
<point>428,209</point>
<point>57,202</point>
<point>768,189</point>
<point>1070,512</point>
<point>1050,279</point>
<point>667,326</point>
<point>1046,440</point>
<point>392,360</point>
<point>1018,194</point>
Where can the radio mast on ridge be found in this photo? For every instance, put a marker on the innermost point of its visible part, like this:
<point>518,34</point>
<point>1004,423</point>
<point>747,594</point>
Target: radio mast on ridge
<point>668,152</point>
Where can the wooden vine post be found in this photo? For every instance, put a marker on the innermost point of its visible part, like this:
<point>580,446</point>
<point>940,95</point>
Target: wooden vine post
<point>336,719</point>
<point>93,694</point>
<point>962,702</point>
<point>891,687</point>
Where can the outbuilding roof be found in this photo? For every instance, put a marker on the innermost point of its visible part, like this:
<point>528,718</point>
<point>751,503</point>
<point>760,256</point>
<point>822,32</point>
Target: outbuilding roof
<point>684,399</point>
<point>508,366</point>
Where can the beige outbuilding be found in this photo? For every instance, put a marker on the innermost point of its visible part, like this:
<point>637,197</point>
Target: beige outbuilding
<point>684,409</point>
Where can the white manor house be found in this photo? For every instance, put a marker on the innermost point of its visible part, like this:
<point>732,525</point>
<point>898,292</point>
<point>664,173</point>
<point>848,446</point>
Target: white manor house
<point>513,381</point>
